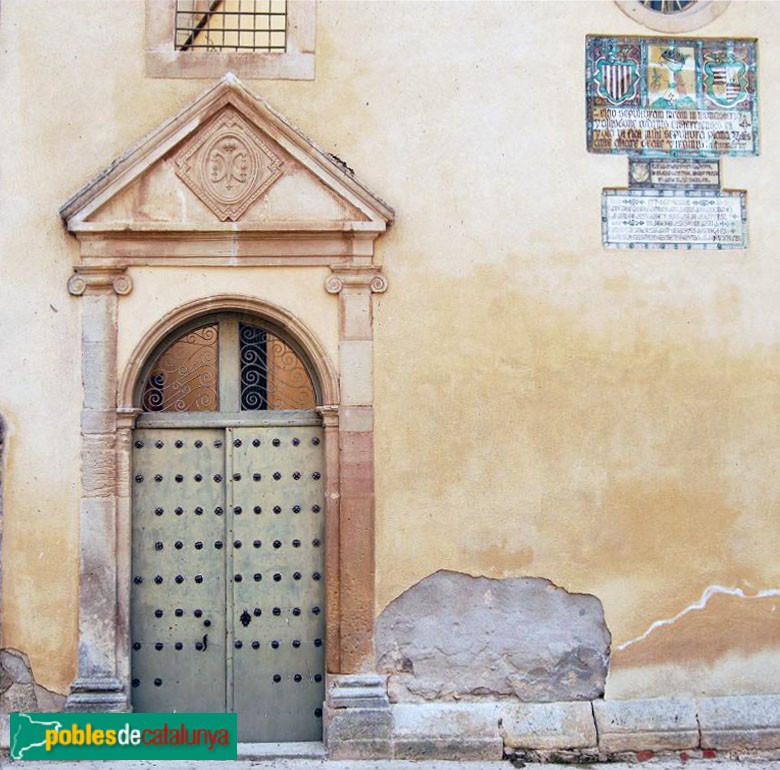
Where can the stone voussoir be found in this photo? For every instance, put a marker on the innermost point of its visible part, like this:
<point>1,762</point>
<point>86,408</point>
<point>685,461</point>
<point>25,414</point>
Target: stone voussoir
<point>740,722</point>
<point>547,726</point>
<point>655,724</point>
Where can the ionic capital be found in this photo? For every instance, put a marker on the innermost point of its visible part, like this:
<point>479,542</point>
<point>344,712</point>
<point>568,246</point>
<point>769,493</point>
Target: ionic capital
<point>100,280</point>
<point>356,277</point>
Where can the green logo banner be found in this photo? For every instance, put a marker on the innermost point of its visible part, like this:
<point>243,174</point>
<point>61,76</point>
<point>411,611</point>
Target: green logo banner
<point>123,736</point>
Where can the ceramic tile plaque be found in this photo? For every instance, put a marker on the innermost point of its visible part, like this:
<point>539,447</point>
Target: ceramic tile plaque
<point>673,219</point>
<point>674,172</point>
<point>671,97</point>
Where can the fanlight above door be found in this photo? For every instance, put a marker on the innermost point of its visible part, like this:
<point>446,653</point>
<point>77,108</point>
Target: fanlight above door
<point>227,363</point>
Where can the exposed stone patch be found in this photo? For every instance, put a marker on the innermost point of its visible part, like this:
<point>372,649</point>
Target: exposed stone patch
<point>20,692</point>
<point>452,636</point>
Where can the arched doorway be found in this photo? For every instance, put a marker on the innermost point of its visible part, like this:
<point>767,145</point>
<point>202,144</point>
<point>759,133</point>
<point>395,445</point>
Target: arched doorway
<point>227,565</point>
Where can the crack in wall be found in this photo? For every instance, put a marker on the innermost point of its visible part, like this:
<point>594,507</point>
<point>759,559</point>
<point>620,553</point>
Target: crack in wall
<point>701,604</point>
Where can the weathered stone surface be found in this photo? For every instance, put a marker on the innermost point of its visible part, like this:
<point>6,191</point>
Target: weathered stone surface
<point>545,726</point>
<point>455,731</point>
<point>740,722</point>
<point>366,691</point>
<point>355,733</point>
<point>20,692</point>
<point>453,636</point>
<point>18,697</point>
<point>14,668</point>
<point>48,702</point>
<point>646,725</point>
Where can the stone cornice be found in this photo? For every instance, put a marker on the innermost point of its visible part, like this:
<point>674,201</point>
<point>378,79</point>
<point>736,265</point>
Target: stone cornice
<point>94,280</point>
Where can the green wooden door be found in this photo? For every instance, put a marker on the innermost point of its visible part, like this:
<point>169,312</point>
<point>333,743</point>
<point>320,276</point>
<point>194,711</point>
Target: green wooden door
<point>227,604</point>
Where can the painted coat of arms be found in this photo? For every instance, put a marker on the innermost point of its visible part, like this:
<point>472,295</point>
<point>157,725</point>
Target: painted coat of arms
<point>616,74</point>
<point>671,97</point>
<point>726,82</point>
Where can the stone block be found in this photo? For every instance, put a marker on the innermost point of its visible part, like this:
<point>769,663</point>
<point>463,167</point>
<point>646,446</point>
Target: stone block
<point>740,722</point>
<point>454,731</point>
<point>656,724</point>
<point>453,637</point>
<point>358,733</point>
<point>357,373</point>
<point>548,726</point>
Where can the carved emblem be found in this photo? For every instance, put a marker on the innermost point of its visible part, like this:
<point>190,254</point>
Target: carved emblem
<point>228,166</point>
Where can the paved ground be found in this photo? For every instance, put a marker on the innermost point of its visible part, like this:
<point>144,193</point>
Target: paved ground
<point>321,764</point>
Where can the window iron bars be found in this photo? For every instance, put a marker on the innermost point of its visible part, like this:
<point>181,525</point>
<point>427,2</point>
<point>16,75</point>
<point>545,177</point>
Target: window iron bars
<point>668,6</point>
<point>231,25</point>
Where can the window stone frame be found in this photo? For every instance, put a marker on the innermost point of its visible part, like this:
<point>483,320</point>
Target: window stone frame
<point>164,61</point>
<point>698,15</point>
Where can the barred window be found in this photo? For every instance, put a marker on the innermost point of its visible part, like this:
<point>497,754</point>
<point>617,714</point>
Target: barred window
<point>231,25</point>
<point>272,39</point>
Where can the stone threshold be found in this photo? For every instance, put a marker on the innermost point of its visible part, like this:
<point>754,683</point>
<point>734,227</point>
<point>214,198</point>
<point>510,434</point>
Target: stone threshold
<point>574,731</point>
<point>261,751</point>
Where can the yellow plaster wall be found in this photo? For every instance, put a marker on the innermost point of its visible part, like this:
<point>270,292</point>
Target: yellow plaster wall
<point>604,419</point>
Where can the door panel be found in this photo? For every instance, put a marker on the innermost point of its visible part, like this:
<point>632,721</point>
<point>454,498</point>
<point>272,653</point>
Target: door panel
<point>228,546</point>
<point>178,588</point>
<point>279,666</point>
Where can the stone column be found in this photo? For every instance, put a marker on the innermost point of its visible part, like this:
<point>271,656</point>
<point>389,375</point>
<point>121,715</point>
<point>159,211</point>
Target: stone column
<point>99,685</point>
<point>358,721</point>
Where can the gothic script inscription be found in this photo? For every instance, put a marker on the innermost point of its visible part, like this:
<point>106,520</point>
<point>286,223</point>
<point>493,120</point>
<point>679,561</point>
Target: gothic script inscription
<point>676,97</point>
<point>673,172</point>
<point>673,219</point>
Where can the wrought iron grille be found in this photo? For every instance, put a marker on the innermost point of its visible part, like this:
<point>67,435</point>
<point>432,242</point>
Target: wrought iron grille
<point>230,365</point>
<point>231,25</point>
<point>272,376</point>
<point>185,377</point>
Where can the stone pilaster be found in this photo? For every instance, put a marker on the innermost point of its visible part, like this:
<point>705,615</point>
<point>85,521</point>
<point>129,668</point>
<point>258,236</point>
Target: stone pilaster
<point>99,685</point>
<point>355,286</point>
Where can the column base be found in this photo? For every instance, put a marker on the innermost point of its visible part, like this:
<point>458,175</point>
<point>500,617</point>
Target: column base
<point>98,694</point>
<point>358,720</point>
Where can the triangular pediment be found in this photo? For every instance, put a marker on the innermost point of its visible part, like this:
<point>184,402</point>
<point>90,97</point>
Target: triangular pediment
<point>228,161</point>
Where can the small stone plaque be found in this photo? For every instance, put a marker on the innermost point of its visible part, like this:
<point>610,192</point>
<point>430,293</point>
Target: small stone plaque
<point>673,219</point>
<point>671,97</point>
<point>670,172</point>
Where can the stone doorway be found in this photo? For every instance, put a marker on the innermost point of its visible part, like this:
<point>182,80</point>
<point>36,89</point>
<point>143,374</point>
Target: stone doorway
<point>227,592</point>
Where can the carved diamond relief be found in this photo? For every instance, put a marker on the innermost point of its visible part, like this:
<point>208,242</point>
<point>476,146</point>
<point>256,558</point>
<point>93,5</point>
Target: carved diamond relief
<point>228,166</point>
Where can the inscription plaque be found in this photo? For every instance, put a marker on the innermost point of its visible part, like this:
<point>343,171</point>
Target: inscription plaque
<point>671,172</point>
<point>673,219</point>
<point>671,97</point>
